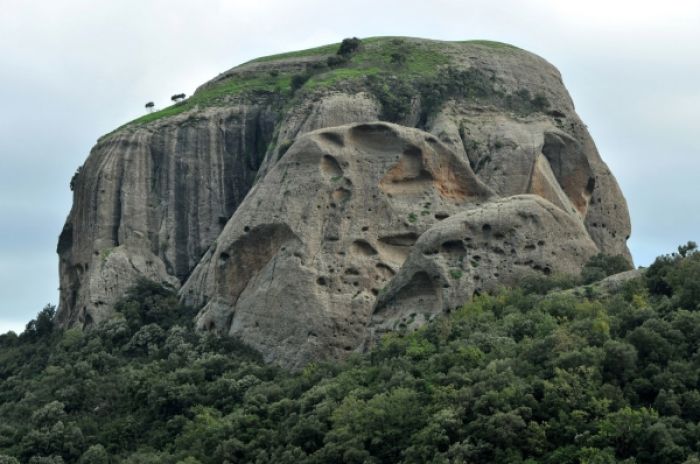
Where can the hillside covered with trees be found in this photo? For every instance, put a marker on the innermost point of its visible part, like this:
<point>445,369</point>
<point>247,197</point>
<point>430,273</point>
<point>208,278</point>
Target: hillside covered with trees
<point>531,374</point>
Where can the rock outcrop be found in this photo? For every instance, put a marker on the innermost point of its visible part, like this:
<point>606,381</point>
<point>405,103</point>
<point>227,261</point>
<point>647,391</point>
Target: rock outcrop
<point>372,193</point>
<point>298,267</point>
<point>478,250</point>
<point>149,202</point>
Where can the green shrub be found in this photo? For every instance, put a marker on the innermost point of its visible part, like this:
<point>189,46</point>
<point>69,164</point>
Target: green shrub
<point>349,46</point>
<point>602,265</point>
<point>395,96</point>
<point>74,180</point>
<point>513,376</point>
<point>455,274</point>
<point>95,454</point>
<point>298,80</point>
<point>336,60</point>
<point>541,285</point>
<point>398,58</point>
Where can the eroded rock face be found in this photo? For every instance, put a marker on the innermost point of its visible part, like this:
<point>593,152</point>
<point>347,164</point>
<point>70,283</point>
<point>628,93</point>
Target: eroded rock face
<point>359,229</point>
<point>552,156</point>
<point>296,271</point>
<point>158,195</point>
<point>479,250</point>
<point>169,188</point>
<point>302,224</point>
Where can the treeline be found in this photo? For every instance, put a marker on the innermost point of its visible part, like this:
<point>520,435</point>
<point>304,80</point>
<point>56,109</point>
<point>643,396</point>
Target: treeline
<point>516,377</point>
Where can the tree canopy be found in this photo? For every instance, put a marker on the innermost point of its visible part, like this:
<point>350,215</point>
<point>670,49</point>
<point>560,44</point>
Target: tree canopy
<point>517,376</point>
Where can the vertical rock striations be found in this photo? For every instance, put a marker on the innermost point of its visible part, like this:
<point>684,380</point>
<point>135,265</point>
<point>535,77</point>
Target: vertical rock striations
<point>149,202</point>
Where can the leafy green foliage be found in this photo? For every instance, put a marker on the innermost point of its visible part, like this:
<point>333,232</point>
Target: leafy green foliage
<point>74,180</point>
<point>602,265</point>
<point>433,89</point>
<point>456,273</point>
<point>396,96</point>
<point>667,276</point>
<point>298,80</point>
<point>402,69</point>
<point>219,93</point>
<point>517,377</point>
<point>349,46</point>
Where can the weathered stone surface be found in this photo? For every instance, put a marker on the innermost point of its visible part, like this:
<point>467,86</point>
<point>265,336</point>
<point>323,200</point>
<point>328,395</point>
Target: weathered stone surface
<point>163,193</point>
<point>292,216</point>
<point>328,110</point>
<point>296,271</point>
<point>541,154</point>
<point>479,250</point>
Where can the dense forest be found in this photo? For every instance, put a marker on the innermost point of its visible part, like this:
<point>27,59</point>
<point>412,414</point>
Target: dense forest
<point>533,374</point>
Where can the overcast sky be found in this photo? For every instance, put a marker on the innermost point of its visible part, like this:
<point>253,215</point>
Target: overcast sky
<point>72,70</point>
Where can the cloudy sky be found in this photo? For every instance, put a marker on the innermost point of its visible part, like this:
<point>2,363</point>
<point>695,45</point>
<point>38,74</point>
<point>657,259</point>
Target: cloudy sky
<point>71,70</point>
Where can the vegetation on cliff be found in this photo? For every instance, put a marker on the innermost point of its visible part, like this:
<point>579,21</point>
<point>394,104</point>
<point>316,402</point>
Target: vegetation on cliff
<point>409,67</point>
<point>511,377</point>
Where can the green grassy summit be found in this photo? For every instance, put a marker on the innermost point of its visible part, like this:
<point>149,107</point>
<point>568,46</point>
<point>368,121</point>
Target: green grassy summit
<point>407,59</point>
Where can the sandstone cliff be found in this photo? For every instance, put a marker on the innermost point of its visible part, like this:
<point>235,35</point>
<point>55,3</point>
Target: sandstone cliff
<point>280,203</point>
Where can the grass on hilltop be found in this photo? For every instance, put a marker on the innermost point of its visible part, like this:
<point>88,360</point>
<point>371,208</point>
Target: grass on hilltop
<point>378,56</point>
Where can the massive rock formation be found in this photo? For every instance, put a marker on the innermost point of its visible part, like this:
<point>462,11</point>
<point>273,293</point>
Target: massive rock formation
<point>302,223</point>
<point>297,269</point>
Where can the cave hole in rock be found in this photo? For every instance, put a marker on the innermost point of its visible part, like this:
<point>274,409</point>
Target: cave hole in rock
<point>334,137</point>
<point>363,247</point>
<point>408,176</point>
<point>402,240</point>
<point>486,230</point>
<point>419,291</point>
<point>590,186</point>
<point>250,254</point>
<point>341,195</point>
<point>385,270</point>
<point>453,247</point>
<point>330,167</point>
